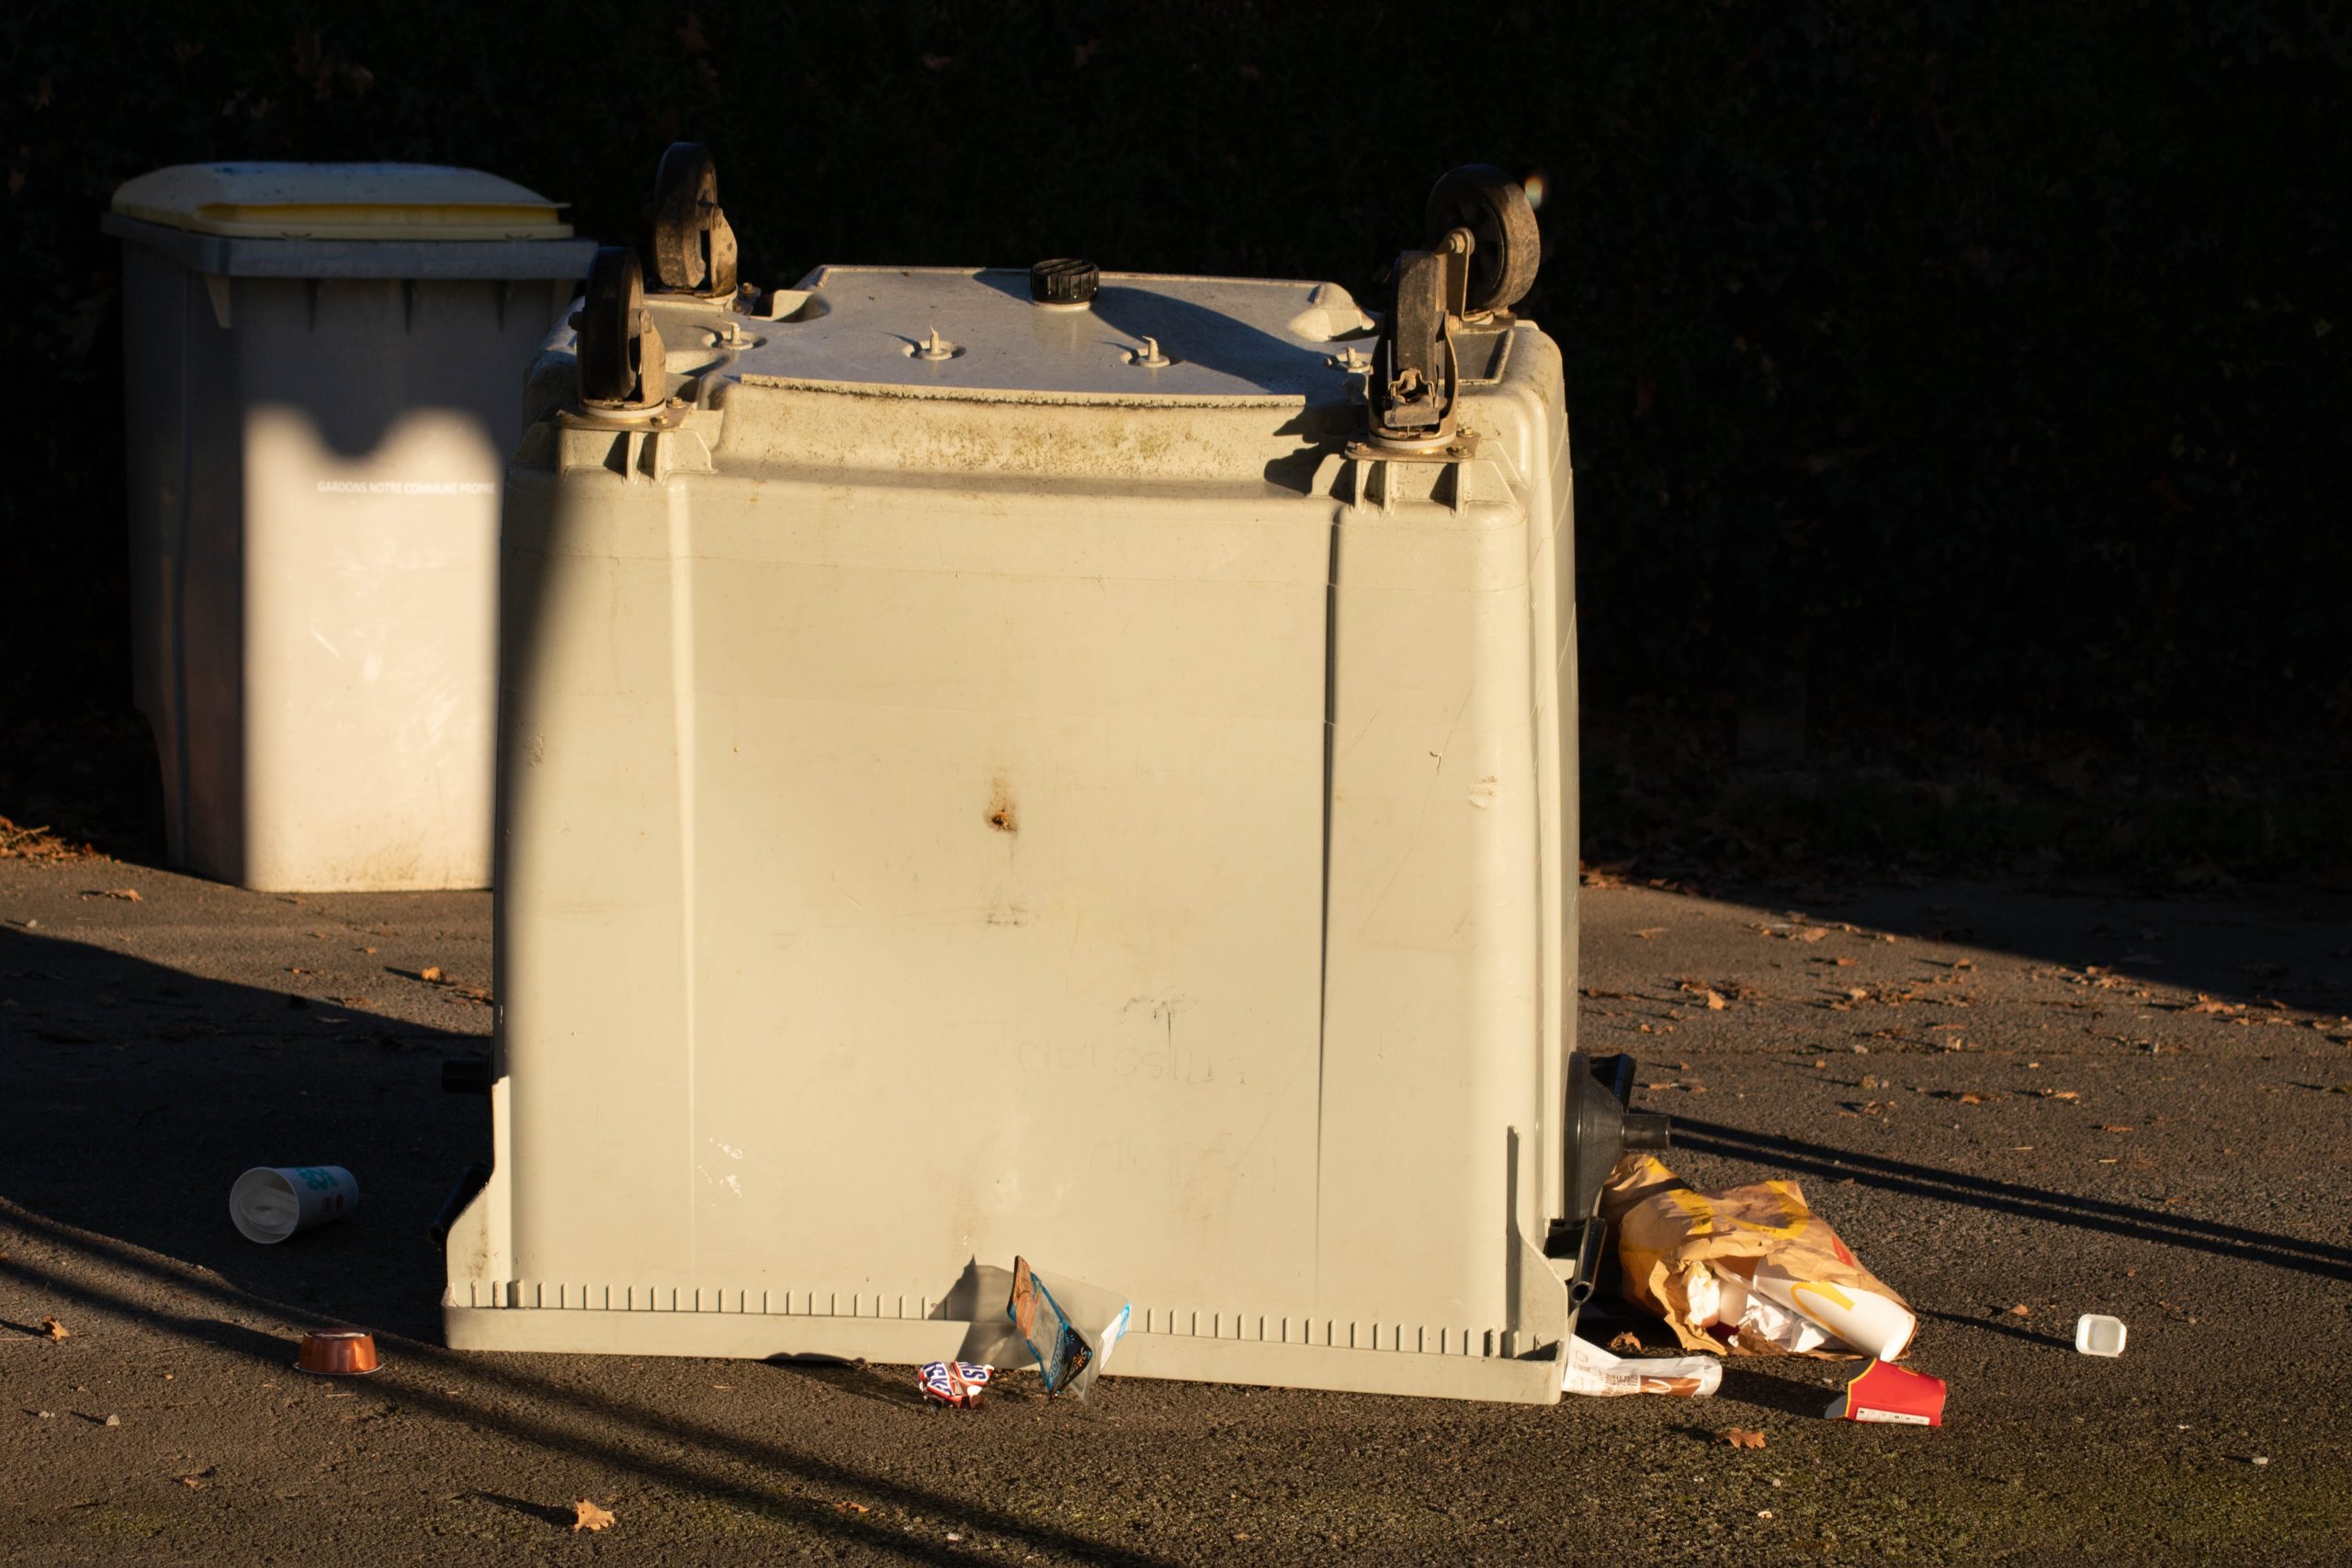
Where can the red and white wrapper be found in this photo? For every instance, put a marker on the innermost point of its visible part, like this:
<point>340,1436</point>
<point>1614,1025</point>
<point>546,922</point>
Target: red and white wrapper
<point>954,1382</point>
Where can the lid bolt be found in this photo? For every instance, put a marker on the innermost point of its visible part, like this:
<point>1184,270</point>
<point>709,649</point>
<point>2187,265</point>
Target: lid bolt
<point>933,347</point>
<point>1149,356</point>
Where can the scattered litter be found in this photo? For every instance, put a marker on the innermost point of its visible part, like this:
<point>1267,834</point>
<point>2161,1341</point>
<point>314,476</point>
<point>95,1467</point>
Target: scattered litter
<point>1742,1438</point>
<point>269,1203</point>
<point>127,894</point>
<point>1750,1268</point>
<point>430,972</point>
<point>586,1516</point>
<point>1593,1370</point>
<point>954,1382</point>
<point>1885,1391</point>
<point>2259,1459</point>
<point>1069,1358</point>
<point>114,1420</point>
<point>338,1353</point>
<point>1627,1341</point>
<point>55,1330</point>
<point>2099,1335</point>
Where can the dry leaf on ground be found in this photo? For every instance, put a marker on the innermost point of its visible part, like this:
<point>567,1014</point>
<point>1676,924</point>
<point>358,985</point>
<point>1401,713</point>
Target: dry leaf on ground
<point>54,1329</point>
<point>2020,1310</point>
<point>1626,1341</point>
<point>1715,1002</point>
<point>430,972</point>
<point>1742,1438</point>
<point>586,1516</point>
<point>850,1509</point>
<point>127,894</point>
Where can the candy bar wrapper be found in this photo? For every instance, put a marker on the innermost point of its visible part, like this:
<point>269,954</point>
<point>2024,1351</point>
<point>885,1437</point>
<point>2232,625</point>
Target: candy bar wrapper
<point>955,1383</point>
<point>1702,1260</point>
<point>1885,1391</point>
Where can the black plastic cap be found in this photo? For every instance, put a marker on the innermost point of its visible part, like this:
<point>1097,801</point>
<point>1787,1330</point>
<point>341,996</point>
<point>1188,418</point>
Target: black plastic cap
<point>1063,281</point>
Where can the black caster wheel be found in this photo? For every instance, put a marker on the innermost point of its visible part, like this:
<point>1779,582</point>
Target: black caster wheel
<point>1491,205</point>
<point>616,334</point>
<point>694,247</point>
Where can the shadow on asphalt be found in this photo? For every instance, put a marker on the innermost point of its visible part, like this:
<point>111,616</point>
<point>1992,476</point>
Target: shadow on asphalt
<point>857,1383</point>
<point>138,1093</point>
<point>546,1513</point>
<point>1995,1325</point>
<point>575,1422</point>
<point>2013,1197</point>
<point>1750,1386</point>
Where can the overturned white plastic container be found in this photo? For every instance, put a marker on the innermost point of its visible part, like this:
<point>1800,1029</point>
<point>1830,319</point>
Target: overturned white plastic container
<point>2099,1335</point>
<point>987,777</point>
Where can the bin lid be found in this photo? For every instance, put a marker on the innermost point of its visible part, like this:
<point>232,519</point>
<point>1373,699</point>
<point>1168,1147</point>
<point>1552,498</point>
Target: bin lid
<point>340,201</point>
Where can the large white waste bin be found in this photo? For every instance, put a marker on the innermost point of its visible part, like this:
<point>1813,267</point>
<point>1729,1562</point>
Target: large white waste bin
<point>324,367</point>
<point>999,764</point>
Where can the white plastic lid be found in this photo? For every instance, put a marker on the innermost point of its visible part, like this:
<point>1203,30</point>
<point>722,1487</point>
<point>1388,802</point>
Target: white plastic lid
<point>340,201</point>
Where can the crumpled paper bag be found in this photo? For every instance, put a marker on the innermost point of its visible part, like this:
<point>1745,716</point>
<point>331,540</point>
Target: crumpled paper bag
<point>1693,1259</point>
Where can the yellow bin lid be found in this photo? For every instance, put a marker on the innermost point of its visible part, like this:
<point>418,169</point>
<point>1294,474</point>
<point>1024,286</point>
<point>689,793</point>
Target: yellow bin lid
<point>340,201</point>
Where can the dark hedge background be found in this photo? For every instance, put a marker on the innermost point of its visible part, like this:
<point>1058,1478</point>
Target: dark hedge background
<point>1959,390</point>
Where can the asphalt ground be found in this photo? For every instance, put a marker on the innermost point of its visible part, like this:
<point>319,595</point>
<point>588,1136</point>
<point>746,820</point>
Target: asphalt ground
<point>2017,1107</point>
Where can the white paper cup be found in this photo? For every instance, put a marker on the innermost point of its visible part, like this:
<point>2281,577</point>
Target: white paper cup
<point>270,1202</point>
<point>1869,1323</point>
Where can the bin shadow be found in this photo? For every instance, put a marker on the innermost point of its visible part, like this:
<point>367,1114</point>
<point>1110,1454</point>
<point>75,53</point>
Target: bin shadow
<point>508,1397</point>
<point>138,1094</point>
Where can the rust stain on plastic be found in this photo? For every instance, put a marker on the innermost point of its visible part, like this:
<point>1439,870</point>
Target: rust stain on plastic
<point>1001,815</point>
